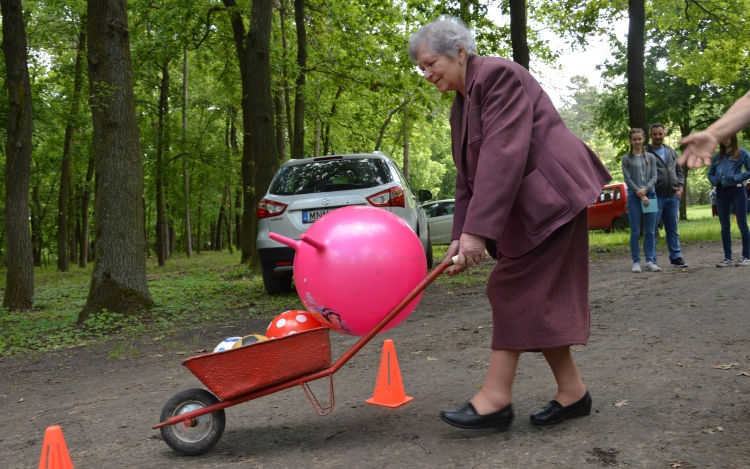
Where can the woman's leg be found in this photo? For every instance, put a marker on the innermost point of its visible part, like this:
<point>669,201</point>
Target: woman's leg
<point>496,390</point>
<point>634,213</point>
<point>570,387</point>
<point>649,235</point>
<point>740,209</point>
<point>723,204</point>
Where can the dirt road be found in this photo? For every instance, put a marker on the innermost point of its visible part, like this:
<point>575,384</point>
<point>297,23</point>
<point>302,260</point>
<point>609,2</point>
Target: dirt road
<point>667,365</point>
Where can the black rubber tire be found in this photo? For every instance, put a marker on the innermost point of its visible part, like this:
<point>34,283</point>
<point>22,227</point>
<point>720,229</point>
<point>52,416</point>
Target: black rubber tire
<point>191,441</point>
<point>618,224</point>
<point>428,251</point>
<point>277,285</point>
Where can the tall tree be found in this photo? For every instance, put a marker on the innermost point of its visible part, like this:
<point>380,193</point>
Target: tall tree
<point>518,32</point>
<point>118,281</point>
<point>162,224</point>
<point>298,150</point>
<point>259,158</point>
<point>185,179</point>
<point>66,176</point>
<point>19,286</point>
<point>636,74</point>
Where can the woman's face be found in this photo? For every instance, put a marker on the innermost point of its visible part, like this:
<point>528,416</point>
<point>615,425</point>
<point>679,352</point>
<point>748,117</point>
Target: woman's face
<point>445,73</point>
<point>636,140</point>
<point>727,142</point>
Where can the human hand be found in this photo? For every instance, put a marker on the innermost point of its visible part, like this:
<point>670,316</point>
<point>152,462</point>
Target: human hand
<point>453,251</point>
<point>699,148</point>
<point>471,249</point>
<point>645,201</point>
<point>641,192</point>
<point>679,193</point>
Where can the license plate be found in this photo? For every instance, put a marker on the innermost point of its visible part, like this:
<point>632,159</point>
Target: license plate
<point>309,216</point>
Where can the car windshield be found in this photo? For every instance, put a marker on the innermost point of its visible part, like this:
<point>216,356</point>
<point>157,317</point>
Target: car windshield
<point>330,176</point>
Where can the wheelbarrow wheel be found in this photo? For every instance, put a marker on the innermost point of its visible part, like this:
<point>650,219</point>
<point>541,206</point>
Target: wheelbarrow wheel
<point>202,433</point>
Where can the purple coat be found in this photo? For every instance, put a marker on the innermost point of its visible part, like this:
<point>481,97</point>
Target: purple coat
<point>511,147</point>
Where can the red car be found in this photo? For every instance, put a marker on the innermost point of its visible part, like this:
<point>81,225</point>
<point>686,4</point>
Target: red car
<point>609,211</point>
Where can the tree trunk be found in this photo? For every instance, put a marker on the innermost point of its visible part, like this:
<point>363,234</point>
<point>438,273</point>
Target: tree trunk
<point>327,138</point>
<point>185,179</point>
<point>636,74</point>
<point>19,284</point>
<point>238,217</point>
<point>406,141</point>
<point>228,220</point>
<point>518,32</point>
<point>259,159</point>
<point>385,126</point>
<point>278,102</point>
<point>37,235</point>
<point>298,151</point>
<point>84,253</point>
<point>199,243</point>
<point>118,282</point>
<point>162,225</point>
<point>284,77</point>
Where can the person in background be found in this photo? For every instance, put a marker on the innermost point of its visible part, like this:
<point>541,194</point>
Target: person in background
<point>670,183</point>
<point>699,147</point>
<point>523,185</point>
<point>727,175</point>
<point>639,171</point>
<point>712,198</point>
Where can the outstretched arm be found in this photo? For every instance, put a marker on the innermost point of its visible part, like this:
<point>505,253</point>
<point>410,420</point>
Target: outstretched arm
<point>701,145</point>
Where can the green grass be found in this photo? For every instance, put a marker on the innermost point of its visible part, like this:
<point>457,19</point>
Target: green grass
<point>213,287</point>
<point>208,287</point>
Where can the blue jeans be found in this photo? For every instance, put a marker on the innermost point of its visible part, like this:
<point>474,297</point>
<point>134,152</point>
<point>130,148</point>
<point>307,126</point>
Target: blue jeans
<point>649,230</point>
<point>727,197</point>
<point>669,209</point>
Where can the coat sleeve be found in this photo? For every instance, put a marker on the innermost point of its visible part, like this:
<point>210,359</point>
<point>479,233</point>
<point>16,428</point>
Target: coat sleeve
<point>505,126</point>
<point>712,170</point>
<point>462,202</point>
<point>678,172</point>
<point>745,157</point>
<point>632,186</point>
<point>652,173</point>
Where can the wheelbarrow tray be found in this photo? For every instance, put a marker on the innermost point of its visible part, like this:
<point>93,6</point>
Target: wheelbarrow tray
<point>239,371</point>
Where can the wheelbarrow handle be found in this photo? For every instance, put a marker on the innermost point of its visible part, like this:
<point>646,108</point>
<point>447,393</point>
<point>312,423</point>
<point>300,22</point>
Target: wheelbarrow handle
<point>394,312</point>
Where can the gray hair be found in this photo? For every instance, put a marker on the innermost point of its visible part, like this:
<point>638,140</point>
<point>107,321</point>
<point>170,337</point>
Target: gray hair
<point>443,36</point>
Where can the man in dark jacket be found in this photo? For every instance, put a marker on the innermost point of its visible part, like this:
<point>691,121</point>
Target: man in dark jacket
<point>670,182</point>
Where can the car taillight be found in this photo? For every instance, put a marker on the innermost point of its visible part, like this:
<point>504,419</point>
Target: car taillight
<point>268,208</point>
<point>393,197</point>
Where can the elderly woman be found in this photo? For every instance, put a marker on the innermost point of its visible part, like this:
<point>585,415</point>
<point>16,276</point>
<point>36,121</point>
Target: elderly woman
<point>523,185</point>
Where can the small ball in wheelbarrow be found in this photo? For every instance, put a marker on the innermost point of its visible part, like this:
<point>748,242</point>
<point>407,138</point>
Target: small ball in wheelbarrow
<point>354,265</point>
<point>291,322</point>
<point>249,340</point>
<point>226,344</point>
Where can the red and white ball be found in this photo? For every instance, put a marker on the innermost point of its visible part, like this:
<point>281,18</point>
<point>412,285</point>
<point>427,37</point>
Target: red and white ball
<point>291,322</point>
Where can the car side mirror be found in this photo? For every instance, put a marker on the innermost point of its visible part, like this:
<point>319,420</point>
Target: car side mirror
<point>424,195</point>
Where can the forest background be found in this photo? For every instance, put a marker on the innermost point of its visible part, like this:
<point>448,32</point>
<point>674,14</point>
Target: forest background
<point>216,94</point>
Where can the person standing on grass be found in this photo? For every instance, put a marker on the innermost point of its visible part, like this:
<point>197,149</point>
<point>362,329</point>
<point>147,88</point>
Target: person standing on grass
<point>727,175</point>
<point>639,171</point>
<point>670,183</point>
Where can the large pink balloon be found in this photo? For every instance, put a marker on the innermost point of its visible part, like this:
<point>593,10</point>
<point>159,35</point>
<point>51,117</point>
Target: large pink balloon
<point>354,265</point>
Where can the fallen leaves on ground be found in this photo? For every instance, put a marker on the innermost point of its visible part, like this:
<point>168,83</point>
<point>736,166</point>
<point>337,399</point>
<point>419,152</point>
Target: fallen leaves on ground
<point>725,367</point>
<point>621,402</point>
<point>743,373</point>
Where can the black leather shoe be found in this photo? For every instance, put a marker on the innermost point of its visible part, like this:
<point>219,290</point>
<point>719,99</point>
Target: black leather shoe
<point>466,417</point>
<point>554,413</point>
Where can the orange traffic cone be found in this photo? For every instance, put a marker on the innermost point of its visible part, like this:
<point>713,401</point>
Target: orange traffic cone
<point>54,451</point>
<point>389,389</point>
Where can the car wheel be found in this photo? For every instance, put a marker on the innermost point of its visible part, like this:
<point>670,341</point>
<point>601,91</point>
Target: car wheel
<point>618,224</point>
<point>277,285</point>
<point>428,251</point>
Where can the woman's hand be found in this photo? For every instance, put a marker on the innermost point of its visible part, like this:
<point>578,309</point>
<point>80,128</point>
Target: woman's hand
<point>641,193</point>
<point>645,201</point>
<point>470,249</point>
<point>452,251</point>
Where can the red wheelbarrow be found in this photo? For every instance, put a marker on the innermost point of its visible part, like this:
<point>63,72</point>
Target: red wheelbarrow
<point>192,421</point>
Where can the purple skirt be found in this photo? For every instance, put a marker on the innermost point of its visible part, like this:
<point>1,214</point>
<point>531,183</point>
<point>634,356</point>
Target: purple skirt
<point>541,299</point>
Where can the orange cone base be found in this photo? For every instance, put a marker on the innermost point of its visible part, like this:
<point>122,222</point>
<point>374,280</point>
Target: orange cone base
<point>54,451</point>
<point>391,404</point>
<point>389,389</point>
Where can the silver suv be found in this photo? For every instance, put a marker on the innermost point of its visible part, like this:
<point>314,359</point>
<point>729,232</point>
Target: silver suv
<point>304,190</point>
